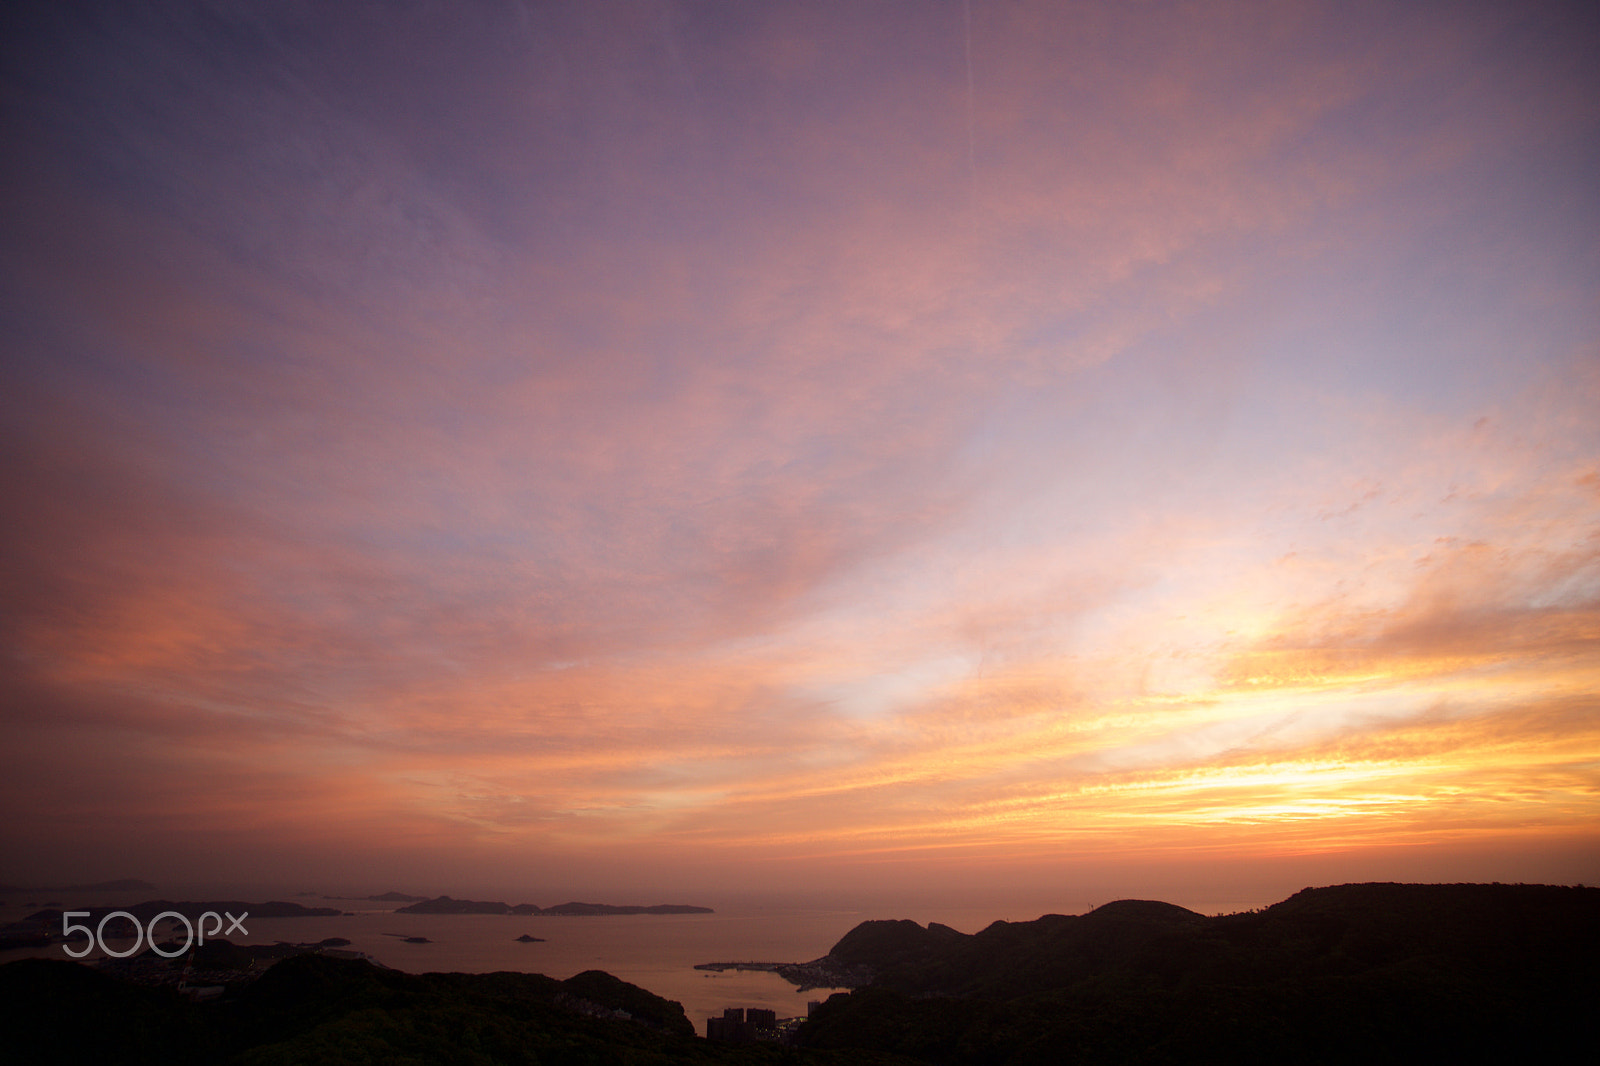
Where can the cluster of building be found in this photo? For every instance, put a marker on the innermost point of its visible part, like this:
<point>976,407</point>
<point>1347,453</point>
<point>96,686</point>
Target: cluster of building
<point>740,1026</point>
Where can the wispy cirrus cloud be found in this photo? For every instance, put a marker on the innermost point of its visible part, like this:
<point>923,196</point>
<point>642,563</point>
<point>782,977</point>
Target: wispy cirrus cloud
<point>654,433</point>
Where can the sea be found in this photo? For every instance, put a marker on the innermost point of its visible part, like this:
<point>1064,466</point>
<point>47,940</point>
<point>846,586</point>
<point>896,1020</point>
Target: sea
<point>657,952</point>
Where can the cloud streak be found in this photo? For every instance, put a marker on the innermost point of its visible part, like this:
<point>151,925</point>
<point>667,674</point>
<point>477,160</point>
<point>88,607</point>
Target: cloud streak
<point>512,442</point>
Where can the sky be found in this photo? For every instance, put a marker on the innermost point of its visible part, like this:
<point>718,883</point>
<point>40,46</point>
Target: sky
<point>883,447</point>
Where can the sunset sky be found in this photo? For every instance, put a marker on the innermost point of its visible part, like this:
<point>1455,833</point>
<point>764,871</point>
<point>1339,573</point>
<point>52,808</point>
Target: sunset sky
<point>892,446</point>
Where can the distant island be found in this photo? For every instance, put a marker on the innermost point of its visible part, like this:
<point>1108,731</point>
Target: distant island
<point>147,910</point>
<point>447,905</point>
<point>44,927</point>
<point>1361,973</point>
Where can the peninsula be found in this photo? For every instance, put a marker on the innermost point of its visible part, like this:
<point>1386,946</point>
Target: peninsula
<point>1349,973</point>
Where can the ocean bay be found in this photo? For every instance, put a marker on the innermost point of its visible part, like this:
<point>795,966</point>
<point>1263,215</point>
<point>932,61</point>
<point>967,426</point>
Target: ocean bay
<point>657,952</point>
<point>654,951</point>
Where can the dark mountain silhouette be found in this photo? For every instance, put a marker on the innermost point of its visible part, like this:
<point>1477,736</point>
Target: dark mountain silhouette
<point>312,1008</point>
<point>45,1005</point>
<point>1375,972</point>
<point>887,944</point>
<point>1351,974</point>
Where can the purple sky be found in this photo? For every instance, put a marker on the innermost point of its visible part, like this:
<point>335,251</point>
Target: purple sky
<point>800,445</point>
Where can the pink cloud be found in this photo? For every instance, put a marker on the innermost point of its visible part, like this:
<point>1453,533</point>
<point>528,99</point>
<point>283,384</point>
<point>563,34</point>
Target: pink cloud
<point>660,433</point>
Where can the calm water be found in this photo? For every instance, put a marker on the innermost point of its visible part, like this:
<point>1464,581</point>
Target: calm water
<point>656,952</point>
